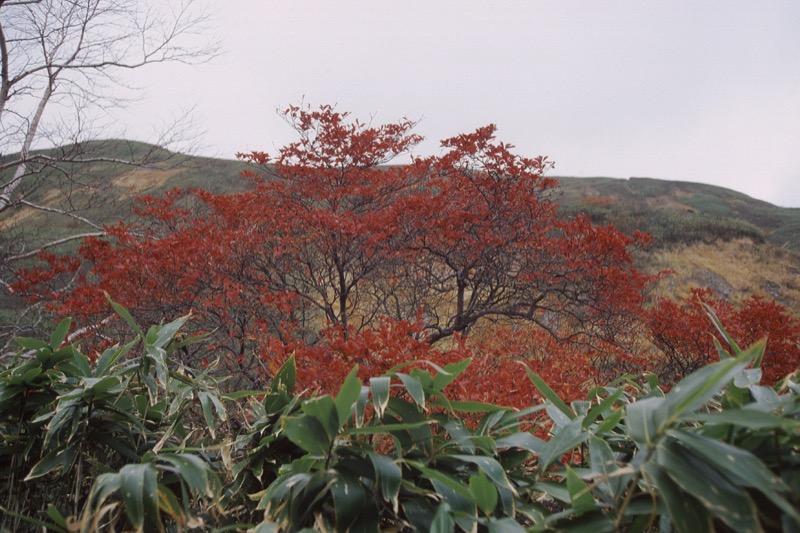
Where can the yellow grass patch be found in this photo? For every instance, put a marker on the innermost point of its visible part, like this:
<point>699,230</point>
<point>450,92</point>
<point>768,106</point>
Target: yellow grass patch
<point>734,270</point>
<point>141,180</point>
<point>669,202</point>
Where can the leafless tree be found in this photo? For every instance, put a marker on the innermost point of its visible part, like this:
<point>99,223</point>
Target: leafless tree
<point>60,68</point>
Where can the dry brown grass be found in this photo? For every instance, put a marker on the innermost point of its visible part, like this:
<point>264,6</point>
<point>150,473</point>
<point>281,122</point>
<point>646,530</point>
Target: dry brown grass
<point>141,180</point>
<point>668,202</point>
<point>734,270</point>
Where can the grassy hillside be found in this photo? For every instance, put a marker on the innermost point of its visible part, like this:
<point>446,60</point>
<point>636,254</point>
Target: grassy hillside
<point>708,235</point>
<point>104,190</point>
<point>681,212</point>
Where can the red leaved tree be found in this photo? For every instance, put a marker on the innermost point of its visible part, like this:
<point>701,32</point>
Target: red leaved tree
<point>332,250</point>
<point>484,241</point>
<point>328,202</point>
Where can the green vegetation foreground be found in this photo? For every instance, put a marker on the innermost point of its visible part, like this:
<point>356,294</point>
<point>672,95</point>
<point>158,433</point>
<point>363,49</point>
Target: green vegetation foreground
<point>138,441</point>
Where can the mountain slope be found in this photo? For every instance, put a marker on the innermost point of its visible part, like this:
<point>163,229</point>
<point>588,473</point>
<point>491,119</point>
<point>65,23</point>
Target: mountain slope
<point>676,211</point>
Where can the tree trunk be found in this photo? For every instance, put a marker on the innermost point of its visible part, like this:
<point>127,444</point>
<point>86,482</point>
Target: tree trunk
<point>30,135</point>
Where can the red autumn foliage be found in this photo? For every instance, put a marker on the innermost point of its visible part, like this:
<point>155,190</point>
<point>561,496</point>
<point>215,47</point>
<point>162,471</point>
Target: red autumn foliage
<point>684,334</point>
<point>340,258</point>
<point>485,242</point>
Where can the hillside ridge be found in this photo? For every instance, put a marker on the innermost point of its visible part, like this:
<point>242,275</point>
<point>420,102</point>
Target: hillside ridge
<point>686,219</point>
<point>670,210</point>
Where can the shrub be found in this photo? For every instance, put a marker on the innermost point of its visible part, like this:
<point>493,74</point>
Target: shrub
<point>75,431</point>
<point>136,440</point>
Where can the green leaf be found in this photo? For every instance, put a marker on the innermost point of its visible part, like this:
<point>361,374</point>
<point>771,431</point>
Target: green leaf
<point>419,512</point>
<point>748,377</point>
<point>610,422</point>
<point>424,378</point>
<point>388,428</point>
<point>58,458</point>
<point>599,523</point>
<point>603,465</point>
<point>46,526</point>
<point>121,311</point>
<point>505,525</point>
<point>523,441</point>
<point>137,486</point>
<point>452,483</point>
<point>379,387</point>
<point>556,415</point>
<point>460,436</point>
<point>579,494</point>
<point>580,407</point>
<point>686,513</point>
<point>188,341</point>
<point>602,408</point>
<point>159,356</point>
<point>111,356</point>
<point>389,475</point>
<point>456,495</point>
<point>414,388</point>
<point>361,405</point>
<point>349,500</point>
<point>60,333</point>
<point>31,344</point>
<point>549,393</point>
<point>104,485</point>
<point>739,465</point>
<point>652,381</point>
<point>167,332</point>
<point>556,491</point>
<point>699,387</point>
<point>443,521</point>
<point>239,394</point>
<point>219,407</point>
<point>268,527</point>
<point>308,433</point>
<point>323,408</point>
<point>421,435</point>
<point>205,403</point>
<point>718,324</point>
<point>348,396</point>
<point>567,438</point>
<point>285,377</point>
<point>484,493</point>
<point>470,406</point>
<point>55,515</point>
<point>643,420</point>
<point>30,375</point>
<point>766,399</point>
<point>720,497</point>
<point>450,374</point>
<point>489,466</point>
<point>747,418</point>
<point>168,503</point>
<point>100,385</point>
<point>81,364</point>
<point>192,470</point>
<point>722,352</point>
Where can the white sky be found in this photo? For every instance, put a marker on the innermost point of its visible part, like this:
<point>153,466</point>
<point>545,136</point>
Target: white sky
<point>681,90</point>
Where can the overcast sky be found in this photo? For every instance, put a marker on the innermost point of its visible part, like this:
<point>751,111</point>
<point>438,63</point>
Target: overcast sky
<point>681,90</point>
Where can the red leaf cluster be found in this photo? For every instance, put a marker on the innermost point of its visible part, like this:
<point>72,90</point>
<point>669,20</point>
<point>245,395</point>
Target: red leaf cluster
<point>684,335</point>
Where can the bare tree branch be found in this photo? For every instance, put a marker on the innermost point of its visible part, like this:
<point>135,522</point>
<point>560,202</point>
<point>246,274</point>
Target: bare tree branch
<point>51,244</point>
<point>60,67</point>
<point>45,45</point>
